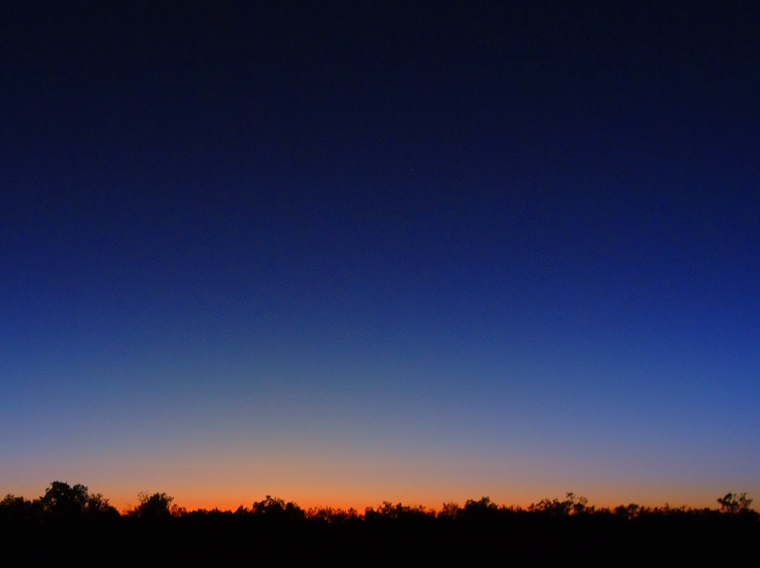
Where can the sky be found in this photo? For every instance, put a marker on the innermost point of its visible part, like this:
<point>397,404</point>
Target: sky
<point>352,252</point>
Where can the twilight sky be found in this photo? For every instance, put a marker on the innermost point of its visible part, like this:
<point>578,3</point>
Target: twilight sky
<point>347,252</point>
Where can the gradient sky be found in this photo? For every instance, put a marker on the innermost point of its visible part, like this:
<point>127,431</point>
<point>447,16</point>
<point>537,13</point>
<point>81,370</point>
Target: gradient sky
<point>347,252</point>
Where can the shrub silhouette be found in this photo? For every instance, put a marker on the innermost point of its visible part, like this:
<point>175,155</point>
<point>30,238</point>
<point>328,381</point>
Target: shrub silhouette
<point>735,503</point>
<point>571,505</point>
<point>155,506</point>
<point>62,500</point>
<point>18,510</point>
<point>276,508</point>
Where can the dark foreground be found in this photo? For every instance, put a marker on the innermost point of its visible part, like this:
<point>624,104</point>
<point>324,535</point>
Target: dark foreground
<point>70,524</point>
<point>516,538</point>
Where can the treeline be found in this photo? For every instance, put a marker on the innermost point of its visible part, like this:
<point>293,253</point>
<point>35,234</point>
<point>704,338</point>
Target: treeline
<point>63,501</point>
<point>68,520</point>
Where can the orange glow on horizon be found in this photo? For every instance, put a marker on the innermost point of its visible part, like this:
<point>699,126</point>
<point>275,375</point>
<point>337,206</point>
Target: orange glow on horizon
<point>359,504</point>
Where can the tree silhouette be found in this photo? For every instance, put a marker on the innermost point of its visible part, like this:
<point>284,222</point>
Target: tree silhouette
<point>734,503</point>
<point>97,505</point>
<point>18,509</point>
<point>449,511</point>
<point>572,505</point>
<point>155,506</point>
<point>276,508</point>
<point>62,500</point>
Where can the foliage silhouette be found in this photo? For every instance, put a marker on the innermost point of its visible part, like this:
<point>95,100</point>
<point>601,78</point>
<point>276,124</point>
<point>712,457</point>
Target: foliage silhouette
<point>274,530</point>
<point>449,511</point>
<point>331,515</point>
<point>62,501</point>
<point>274,508</point>
<point>735,503</point>
<point>630,511</point>
<point>17,509</point>
<point>155,506</point>
<point>571,505</point>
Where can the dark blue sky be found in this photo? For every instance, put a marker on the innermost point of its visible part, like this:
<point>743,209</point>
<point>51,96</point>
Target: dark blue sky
<point>522,236</point>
